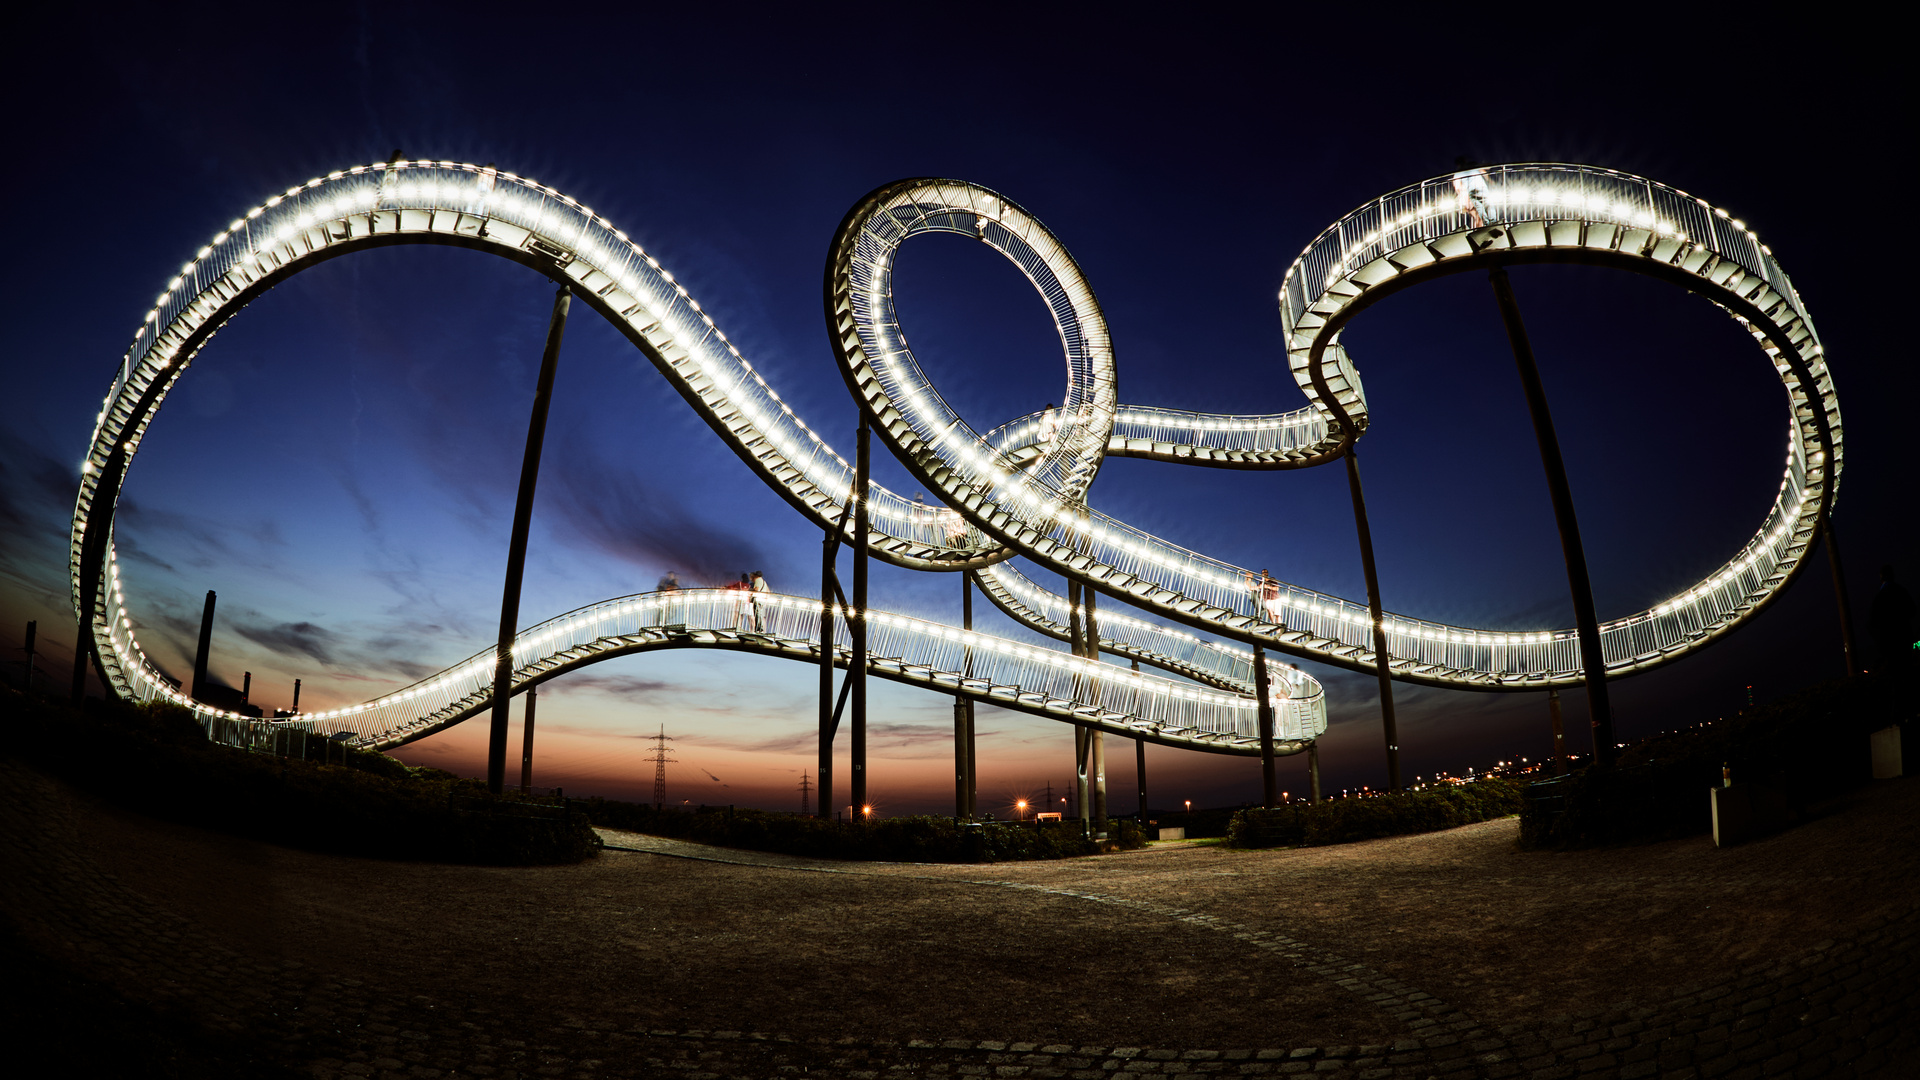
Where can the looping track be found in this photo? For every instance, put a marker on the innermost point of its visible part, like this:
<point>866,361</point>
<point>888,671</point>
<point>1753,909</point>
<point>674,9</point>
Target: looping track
<point>1019,489</point>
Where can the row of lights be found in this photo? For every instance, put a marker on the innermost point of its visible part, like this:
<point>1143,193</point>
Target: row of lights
<point>365,197</point>
<point>1051,604</point>
<point>894,507</point>
<point>477,672</point>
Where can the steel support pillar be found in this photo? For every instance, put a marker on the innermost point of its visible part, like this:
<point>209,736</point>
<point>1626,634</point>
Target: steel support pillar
<point>517,546</point>
<point>1313,768</point>
<point>966,670</point>
<point>1559,734</point>
<point>1082,750</point>
<point>1587,624</point>
<point>857,619</point>
<point>1840,591</point>
<point>1090,642</point>
<point>1140,773</point>
<point>828,722</point>
<point>1269,789</point>
<point>1382,657</point>
<point>81,652</point>
<point>526,740</point>
<point>1140,763</point>
<point>202,654</point>
<point>1099,741</point>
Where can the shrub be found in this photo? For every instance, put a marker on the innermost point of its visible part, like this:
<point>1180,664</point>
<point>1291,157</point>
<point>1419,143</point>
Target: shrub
<point>1340,821</point>
<point>156,760</point>
<point>1804,748</point>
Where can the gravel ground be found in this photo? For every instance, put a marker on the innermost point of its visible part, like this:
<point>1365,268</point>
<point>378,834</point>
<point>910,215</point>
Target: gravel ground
<point>261,956</point>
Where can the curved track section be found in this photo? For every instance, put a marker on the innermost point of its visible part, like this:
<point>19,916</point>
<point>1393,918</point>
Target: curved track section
<point>1011,674</point>
<point>1024,485</point>
<point>1018,491</point>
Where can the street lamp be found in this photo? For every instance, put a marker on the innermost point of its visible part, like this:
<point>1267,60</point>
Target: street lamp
<point>867,811</point>
<point>1021,806</point>
<point>1189,806</point>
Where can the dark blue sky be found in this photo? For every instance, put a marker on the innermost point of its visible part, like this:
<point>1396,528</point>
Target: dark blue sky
<point>340,462</point>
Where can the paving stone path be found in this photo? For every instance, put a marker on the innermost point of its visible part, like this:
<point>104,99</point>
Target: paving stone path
<point>1842,1008</point>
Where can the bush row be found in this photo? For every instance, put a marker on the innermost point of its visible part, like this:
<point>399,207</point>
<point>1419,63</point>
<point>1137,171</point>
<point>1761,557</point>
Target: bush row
<point>156,760</point>
<point>897,839</point>
<point>1340,821</point>
<point>1805,748</point>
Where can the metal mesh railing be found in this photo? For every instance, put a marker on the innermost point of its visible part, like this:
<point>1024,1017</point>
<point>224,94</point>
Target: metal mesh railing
<point>1045,519</point>
<point>984,666</point>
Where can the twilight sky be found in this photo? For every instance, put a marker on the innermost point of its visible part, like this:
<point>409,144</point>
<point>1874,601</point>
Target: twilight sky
<point>340,462</point>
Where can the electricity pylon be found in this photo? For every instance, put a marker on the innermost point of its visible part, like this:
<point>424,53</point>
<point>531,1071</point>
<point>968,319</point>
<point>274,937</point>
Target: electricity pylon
<point>660,761</point>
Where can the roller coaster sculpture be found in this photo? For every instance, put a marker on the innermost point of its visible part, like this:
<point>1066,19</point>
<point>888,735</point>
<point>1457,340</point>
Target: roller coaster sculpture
<point>1015,490</point>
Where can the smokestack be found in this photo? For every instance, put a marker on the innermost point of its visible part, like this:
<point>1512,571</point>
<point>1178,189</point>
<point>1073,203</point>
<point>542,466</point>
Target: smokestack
<point>296,697</point>
<point>206,643</point>
<point>246,686</point>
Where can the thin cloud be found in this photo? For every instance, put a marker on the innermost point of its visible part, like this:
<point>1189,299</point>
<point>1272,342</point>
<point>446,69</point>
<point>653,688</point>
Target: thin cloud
<point>623,686</point>
<point>638,523</point>
<point>295,639</point>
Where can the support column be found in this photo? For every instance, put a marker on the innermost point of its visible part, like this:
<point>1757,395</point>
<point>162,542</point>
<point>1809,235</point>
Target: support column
<point>1090,628</point>
<point>1082,748</point>
<point>526,741</point>
<point>1140,773</point>
<point>858,618</point>
<point>517,546</point>
<point>966,669</point>
<point>201,654</point>
<point>1592,662</point>
<point>1382,658</point>
<point>1262,691</point>
<point>1840,590</point>
<point>1313,768</point>
<point>1559,734</point>
<point>1140,763</point>
<point>1099,741</point>
<point>959,758</point>
<point>828,548</point>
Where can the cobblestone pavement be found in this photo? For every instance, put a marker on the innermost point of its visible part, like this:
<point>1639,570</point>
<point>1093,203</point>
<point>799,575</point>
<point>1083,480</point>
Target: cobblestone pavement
<point>1837,1008</point>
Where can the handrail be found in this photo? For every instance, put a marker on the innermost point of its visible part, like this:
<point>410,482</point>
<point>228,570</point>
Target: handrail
<point>1005,492</point>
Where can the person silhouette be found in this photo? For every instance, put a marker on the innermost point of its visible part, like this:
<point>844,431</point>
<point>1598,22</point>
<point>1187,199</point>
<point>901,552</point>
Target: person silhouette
<point>754,588</point>
<point>1890,622</point>
<point>669,584</point>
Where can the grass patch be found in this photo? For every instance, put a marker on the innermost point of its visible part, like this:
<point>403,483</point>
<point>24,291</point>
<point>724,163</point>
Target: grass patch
<point>155,760</point>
